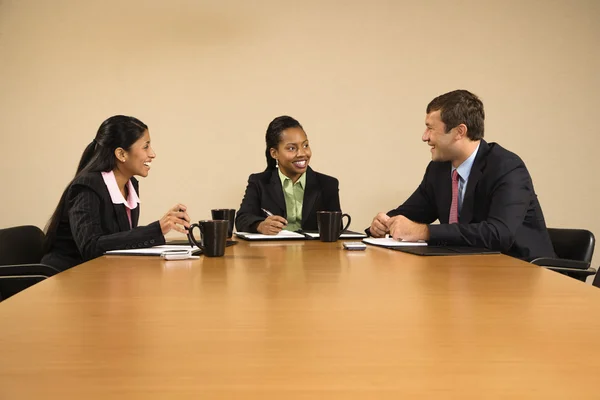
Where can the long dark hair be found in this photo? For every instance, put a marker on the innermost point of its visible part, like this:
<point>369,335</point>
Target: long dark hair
<point>273,136</point>
<point>99,155</point>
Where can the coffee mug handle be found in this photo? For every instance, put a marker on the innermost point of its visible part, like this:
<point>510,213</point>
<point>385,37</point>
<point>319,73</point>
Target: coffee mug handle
<point>191,237</point>
<point>348,224</point>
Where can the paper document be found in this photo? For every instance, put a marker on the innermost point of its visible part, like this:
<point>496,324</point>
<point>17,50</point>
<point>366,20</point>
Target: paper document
<point>344,235</point>
<point>389,242</point>
<point>152,251</point>
<point>281,235</point>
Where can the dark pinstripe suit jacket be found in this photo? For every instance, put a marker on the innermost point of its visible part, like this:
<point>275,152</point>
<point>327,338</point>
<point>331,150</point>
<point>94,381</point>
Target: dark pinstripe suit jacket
<point>91,224</point>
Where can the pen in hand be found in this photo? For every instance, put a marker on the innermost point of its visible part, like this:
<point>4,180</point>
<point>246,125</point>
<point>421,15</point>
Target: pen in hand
<point>188,233</point>
<point>269,213</point>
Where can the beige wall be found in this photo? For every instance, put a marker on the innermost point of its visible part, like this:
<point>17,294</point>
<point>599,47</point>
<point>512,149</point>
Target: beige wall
<point>208,76</point>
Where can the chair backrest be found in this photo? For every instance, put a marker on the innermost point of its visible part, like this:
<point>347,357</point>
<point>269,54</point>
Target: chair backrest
<point>21,245</point>
<point>11,285</point>
<point>573,244</point>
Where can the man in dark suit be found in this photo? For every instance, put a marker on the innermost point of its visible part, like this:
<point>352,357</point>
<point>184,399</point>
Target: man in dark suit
<point>481,193</point>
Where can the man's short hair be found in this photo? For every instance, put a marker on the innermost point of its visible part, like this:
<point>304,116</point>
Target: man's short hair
<point>460,107</point>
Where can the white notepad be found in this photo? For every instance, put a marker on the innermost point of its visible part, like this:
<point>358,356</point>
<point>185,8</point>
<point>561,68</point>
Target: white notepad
<point>282,235</point>
<point>344,235</point>
<point>389,242</point>
<point>151,251</point>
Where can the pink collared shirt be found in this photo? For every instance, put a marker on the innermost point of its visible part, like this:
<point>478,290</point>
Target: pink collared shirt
<point>117,197</point>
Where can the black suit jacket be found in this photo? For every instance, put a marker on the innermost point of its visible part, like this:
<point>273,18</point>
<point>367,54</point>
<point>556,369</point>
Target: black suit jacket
<point>91,224</point>
<point>500,210</point>
<point>264,191</point>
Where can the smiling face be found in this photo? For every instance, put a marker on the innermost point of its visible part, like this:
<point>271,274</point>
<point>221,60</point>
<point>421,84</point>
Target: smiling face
<point>442,143</point>
<point>136,160</point>
<point>292,153</point>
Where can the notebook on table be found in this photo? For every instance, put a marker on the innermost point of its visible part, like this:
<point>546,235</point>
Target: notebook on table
<point>153,251</point>
<point>282,235</point>
<point>300,235</point>
<point>445,250</point>
<point>393,243</point>
<point>345,235</point>
<point>159,250</point>
<point>185,242</point>
<point>421,248</point>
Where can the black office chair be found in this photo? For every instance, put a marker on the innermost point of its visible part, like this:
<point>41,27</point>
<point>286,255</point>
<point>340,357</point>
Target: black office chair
<point>596,281</point>
<point>21,250</point>
<point>574,249</point>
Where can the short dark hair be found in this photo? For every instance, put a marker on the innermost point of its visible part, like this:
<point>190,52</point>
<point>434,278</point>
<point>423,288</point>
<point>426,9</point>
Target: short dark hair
<point>273,135</point>
<point>460,107</point>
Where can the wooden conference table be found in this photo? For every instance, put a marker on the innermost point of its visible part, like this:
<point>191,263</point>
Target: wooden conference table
<point>302,320</point>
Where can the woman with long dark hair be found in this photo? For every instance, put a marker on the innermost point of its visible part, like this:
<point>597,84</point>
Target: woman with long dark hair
<point>99,209</point>
<point>288,193</point>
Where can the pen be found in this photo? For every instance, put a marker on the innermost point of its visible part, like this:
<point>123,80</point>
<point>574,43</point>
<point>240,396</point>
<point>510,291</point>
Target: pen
<point>269,213</point>
<point>189,233</point>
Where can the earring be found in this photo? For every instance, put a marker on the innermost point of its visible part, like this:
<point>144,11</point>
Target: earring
<point>276,163</point>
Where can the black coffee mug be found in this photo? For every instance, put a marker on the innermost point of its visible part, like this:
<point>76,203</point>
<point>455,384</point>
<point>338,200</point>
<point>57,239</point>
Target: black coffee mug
<point>227,214</point>
<point>330,225</point>
<point>213,237</point>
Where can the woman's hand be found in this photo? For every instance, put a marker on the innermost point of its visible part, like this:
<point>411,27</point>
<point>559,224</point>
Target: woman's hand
<point>176,218</point>
<point>272,225</point>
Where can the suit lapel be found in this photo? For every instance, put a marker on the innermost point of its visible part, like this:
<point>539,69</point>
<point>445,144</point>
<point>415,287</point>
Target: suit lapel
<point>276,193</point>
<point>119,209</point>
<point>466,212</point>
<point>446,194</point>
<point>311,193</point>
<point>135,216</point>
<point>135,213</point>
<point>122,219</point>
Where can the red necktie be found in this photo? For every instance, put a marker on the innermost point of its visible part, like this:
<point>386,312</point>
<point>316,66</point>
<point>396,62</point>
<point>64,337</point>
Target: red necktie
<point>454,206</point>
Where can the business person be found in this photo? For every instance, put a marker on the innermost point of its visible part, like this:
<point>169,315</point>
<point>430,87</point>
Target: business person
<point>480,192</point>
<point>99,209</point>
<point>288,193</point>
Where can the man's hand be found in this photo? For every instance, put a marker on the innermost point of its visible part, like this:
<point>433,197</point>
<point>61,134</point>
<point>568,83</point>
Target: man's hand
<point>402,228</point>
<point>379,227</point>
